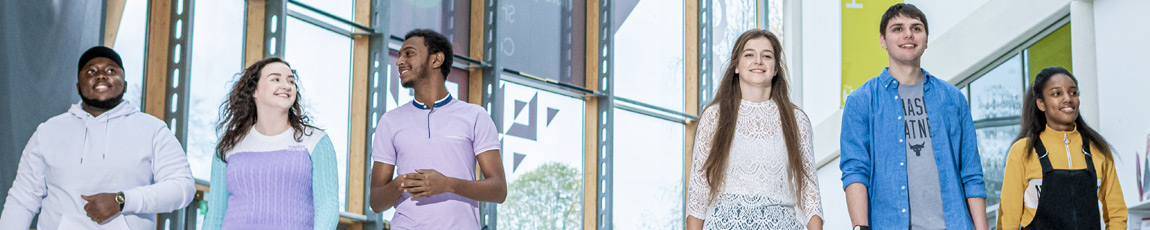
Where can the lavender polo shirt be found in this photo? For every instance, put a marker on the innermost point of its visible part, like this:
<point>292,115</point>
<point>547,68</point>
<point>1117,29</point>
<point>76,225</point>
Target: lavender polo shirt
<point>446,139</point>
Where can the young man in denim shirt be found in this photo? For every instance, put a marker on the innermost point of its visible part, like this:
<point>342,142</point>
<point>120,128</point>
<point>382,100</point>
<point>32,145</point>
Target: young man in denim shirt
<point>909,156</point>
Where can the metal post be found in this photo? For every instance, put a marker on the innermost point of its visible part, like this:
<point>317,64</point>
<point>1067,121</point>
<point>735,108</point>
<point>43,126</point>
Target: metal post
<point>606,114</point>
<point>706,79</point>
<point>177,97</point>
<point>275,16</point>
<point>377,95</point>
<point>492,94</point>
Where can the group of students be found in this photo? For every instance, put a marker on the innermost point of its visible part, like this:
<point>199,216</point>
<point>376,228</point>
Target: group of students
<point>105,165</point>
<point>909,155</point>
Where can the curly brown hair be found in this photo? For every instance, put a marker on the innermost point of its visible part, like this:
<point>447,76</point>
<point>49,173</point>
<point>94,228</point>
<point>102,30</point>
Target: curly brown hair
<point>238,112</point>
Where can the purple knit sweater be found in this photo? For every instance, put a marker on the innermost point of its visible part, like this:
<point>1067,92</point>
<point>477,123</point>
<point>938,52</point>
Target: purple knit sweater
<point>262,181</point>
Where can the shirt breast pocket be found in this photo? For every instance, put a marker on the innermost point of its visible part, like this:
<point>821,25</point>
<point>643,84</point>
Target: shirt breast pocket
<point>950,119</point>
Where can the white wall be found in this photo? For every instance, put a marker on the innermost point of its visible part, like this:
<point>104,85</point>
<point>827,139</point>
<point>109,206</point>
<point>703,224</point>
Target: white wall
<point>1124,106</point>
<point>822,59</point>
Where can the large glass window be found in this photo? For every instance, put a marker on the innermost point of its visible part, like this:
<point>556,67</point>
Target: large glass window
<point>543,38</point>
<point>993,146</point>
<point>730,18</point>
<point>996,106</point>
<point>322,61</point>
<point>543,159</point>
<point>998,93</point>
<point>130,43</point>
<point>648,166</point>
<point>451,18</point>
<point>217,49</point>
<point>649,52</point>
<point>648,152</point>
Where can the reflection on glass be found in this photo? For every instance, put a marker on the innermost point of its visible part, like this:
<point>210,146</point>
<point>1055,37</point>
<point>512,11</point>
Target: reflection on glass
<point>130,44</point>
<point>649,46</point>
<point>322,61</point>
<point>543,38</point>
<point>998,93</point>
<point>730,19</point>
<point>993,146</point>
<point>648,166</point>
<point>451,19</point>
<point>217,48</point>
<point>543,159</point>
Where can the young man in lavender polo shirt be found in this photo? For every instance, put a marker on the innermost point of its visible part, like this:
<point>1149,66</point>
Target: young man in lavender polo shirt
<point>433,143</point>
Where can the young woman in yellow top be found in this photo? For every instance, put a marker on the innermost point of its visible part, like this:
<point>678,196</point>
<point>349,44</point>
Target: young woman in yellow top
<point>1056,183</point>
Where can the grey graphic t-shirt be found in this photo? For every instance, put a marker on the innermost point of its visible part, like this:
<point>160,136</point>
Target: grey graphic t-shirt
<point>921,168</point>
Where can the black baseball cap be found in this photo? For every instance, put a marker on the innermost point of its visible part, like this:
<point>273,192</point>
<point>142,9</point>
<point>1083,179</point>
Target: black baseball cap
<point>99,51</point>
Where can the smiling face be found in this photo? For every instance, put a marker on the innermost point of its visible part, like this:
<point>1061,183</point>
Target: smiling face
<point>904,39</point>
<point>1059,101</point>
<point>101,80</point>
<point>415,63</point>
<point>276,88</point>
<point>757,64</point>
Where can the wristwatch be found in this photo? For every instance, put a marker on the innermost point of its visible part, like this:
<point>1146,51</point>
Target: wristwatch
<point>861,227</point>
<point>120,200</point>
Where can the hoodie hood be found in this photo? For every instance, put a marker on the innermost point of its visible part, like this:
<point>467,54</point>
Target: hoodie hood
<point>125,108</point>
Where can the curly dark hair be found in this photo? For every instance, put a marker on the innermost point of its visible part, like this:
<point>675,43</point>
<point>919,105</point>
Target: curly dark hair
<point>436,43</point>
<point>238,112</point>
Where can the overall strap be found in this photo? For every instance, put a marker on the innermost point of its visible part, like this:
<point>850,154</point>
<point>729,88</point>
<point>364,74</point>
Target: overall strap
<point>1040,149</point>
<point>1089,156</point>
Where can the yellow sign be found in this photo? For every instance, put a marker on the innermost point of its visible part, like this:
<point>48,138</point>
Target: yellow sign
<point>863,56</point>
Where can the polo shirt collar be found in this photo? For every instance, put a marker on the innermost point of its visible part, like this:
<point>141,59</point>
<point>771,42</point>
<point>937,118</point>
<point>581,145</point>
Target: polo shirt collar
<point>437,104</point>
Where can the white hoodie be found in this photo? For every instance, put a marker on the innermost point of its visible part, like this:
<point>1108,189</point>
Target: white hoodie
<point>75,154</point>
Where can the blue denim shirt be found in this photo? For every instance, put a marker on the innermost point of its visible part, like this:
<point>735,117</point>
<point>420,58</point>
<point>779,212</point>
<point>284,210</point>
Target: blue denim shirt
<point>873,152</point>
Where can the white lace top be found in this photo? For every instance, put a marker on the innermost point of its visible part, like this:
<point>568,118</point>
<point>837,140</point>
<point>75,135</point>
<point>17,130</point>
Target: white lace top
<point>756,174</point>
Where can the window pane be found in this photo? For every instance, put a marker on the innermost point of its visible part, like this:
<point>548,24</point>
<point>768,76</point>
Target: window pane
<point>543,159</point>
<point>452,20</point>
<point>543,38</point>
<point>130,42</point>
<point>648,57</point>
<point>993,146</point>
<point>322,61</point>
<point>730,18</point>
<point>998,93</point>
<point>648,179</point>
<point>339,8</point>
<point>217,49</point>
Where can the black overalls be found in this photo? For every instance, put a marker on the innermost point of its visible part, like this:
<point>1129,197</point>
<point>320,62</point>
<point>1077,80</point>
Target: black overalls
<point>1068,199</point>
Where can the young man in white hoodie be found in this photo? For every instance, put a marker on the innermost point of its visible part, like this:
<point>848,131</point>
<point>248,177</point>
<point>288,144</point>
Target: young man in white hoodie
<point>101,165</point>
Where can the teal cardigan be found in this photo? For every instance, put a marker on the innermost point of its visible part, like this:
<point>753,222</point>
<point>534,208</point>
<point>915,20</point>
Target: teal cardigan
<point>324,185</point>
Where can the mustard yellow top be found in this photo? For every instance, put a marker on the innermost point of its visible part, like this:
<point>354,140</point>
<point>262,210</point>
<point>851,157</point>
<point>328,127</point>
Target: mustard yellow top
<point>1023,174</point>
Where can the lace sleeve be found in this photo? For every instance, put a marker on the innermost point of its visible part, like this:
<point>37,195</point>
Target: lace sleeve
<point>699,193</point>
<point>812,204</point>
